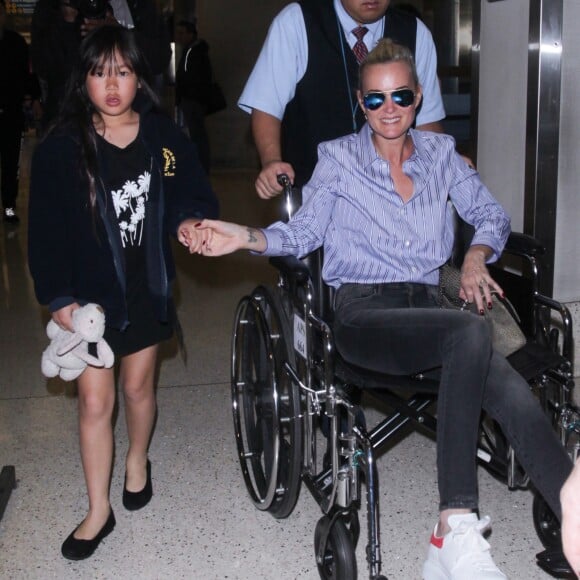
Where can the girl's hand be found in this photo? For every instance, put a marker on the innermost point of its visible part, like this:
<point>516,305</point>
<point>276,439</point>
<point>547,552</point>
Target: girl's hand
<point>225,238</point>
<point>63,316</point>
<point>476,282</point>
<point>189,234</point>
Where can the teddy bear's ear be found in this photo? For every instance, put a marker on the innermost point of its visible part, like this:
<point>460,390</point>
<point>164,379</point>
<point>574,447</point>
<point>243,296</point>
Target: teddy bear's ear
<point>69,343</point>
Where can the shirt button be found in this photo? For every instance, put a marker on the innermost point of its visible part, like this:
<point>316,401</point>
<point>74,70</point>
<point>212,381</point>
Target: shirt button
<point>407,244</point>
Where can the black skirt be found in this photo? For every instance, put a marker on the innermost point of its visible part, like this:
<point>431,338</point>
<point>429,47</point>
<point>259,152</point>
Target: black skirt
<point>144,329</point>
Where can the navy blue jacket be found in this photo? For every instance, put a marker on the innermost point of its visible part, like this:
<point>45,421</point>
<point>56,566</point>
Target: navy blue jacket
<point>75,252</point>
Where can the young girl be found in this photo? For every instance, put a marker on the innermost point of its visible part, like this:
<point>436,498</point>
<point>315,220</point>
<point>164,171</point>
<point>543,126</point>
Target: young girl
<point>111,180</point>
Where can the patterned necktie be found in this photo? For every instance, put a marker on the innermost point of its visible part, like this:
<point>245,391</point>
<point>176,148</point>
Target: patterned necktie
<point>360,48</point>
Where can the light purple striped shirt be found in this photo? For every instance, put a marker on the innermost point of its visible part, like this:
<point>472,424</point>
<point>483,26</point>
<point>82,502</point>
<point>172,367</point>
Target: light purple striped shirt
<point>369,234</point>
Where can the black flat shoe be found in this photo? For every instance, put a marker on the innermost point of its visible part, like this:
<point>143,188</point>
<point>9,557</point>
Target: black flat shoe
<point>135,500</point>
<point>75,549</point>
<point>553,561</point>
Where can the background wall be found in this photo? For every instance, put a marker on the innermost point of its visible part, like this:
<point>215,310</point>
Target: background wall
<point>235,32</point>
<point>502,132</point>
<point>502,126</point>
<point>567,266</point>
<point>502,102</point>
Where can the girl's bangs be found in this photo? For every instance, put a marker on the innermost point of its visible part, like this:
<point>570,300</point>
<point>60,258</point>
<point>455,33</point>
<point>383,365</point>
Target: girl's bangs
<point>110,61</point>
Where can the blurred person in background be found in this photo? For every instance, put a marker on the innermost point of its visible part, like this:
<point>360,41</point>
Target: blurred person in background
<point>18,85</point>
<point>192,81</point>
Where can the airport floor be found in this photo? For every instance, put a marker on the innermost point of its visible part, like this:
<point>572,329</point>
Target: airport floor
<point>200,523</point>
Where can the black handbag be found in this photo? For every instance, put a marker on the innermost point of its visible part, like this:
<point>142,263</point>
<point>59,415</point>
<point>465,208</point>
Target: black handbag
<point>506,335</point>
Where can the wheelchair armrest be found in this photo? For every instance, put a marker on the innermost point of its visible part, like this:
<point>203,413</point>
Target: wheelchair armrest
<point>291,267</point>
<point>523,245</point>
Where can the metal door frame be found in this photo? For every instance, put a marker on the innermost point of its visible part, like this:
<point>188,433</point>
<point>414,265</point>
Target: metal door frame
<point>542,122</point>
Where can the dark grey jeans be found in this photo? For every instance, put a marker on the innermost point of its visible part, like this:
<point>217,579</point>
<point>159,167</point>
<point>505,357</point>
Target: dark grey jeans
<point>399,329</point>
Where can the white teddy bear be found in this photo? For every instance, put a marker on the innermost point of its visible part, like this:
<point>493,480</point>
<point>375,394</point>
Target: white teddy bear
<point>68,354</point>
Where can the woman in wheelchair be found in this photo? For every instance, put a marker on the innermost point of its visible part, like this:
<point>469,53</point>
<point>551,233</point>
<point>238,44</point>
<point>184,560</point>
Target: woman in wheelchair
<point>379,205</point>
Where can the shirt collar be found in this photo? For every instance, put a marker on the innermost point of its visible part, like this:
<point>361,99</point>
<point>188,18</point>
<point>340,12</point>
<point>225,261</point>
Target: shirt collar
<point>416,142</point>
<point>369,154</point>
<point>420,154</point>
<point>348,23</point>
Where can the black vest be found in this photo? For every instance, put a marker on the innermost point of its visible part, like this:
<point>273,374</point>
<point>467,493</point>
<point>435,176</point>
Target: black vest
<point>322,108</point>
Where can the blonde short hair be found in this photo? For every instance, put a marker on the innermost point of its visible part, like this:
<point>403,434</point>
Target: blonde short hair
<point>385,52</point>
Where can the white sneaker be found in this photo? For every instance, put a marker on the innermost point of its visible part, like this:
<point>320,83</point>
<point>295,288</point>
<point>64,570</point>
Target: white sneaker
<point>462,554</point>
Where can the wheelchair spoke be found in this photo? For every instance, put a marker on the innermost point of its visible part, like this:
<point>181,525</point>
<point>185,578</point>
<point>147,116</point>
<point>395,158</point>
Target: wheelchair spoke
<point>266,405</point>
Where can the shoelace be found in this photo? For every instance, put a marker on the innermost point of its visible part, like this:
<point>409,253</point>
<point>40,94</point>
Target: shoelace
<point>469,536</point>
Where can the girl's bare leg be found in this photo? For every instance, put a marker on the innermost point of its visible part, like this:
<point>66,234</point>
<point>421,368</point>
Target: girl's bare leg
<point>137,378</point>
<point>96,399</point>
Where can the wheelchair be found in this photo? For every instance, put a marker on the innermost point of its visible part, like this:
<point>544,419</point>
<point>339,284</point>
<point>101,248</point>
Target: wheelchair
<point>297,409</point>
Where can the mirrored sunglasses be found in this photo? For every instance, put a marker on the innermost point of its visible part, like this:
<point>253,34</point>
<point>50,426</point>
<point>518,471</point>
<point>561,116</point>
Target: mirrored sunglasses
<point>373,100</point>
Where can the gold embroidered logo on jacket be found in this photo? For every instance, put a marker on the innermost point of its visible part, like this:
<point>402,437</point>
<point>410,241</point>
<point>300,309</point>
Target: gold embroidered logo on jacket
<point>169,167</point>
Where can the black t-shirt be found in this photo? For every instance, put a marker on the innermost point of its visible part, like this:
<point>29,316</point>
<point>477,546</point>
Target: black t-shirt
<point>127,179</point>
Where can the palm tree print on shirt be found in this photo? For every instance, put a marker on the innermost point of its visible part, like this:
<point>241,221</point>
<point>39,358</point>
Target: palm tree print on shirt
<point>129,203</point>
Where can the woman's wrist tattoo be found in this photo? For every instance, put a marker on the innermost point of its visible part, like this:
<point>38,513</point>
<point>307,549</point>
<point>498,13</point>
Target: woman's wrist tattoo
<point>252,239</point>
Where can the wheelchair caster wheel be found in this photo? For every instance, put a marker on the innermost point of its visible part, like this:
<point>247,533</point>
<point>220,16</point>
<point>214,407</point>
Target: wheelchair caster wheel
<point>353,525</point>
<point>546,524</point>
<point>336,558</point>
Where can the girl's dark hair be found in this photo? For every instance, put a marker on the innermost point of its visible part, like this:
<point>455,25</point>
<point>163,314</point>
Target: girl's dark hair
<point>98,49</point>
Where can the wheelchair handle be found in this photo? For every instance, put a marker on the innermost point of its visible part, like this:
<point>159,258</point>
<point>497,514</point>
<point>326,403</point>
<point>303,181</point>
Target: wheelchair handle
<point>284,181</point>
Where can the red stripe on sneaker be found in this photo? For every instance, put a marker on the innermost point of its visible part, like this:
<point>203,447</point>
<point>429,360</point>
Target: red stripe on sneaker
<point>435,541</point>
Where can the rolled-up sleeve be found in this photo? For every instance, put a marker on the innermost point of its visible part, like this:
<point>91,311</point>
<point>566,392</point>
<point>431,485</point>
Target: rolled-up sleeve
<point>477,206</point>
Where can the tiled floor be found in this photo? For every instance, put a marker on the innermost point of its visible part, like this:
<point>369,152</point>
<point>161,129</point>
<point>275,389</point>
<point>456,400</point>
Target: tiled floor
<point>200,523</point>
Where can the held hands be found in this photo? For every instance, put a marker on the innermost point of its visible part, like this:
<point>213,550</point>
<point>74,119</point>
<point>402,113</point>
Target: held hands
<point>220,238</point>
<point>191,236</point>
<point>267,184</point>
<point>476,282</point>
<point>570,499</point>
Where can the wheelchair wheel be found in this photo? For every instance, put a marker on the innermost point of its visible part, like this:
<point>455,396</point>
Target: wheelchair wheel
<point>266,404</point>
<point>546,523</point>
<point>338,560</point>
<point>352,524</point>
